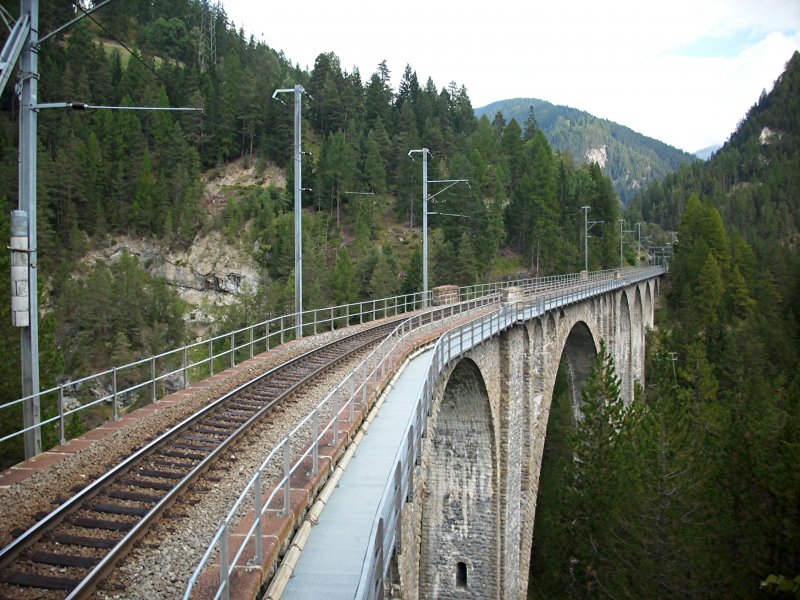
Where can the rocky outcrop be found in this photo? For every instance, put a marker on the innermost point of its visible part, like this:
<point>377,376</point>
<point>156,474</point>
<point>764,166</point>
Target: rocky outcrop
<point>210,272</point>
<point>598,155</point>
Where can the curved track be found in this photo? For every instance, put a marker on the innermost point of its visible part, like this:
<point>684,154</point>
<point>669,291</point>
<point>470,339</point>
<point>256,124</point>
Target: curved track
<point>77,545</point>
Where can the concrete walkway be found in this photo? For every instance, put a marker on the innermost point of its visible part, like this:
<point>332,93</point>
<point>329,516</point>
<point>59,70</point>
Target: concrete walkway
<point>330,564</point>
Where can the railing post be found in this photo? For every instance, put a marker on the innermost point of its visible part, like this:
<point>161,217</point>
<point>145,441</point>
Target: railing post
<point>287,474</point>
<point>185,367</point>
<point>282,328</point>
<point>211,357</point>
<point>153,376</point>
<point>251,341</point>
<point>233,349</point>
<point>115,409</point>
<point>224,563</point>
<point>315,442</point>
<point>337,408</point>
<point>61,414</point>
<point>259,503</point>
<point>267,333</point>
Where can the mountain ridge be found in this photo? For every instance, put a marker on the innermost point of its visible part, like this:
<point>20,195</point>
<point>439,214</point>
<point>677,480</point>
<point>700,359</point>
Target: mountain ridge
<point>632,160</point>
<point>707,152</point>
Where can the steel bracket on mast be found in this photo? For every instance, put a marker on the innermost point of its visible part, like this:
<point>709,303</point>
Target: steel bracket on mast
<point>13,48</point>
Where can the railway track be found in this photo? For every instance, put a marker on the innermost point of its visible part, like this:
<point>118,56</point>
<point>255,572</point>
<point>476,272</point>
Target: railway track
<point>71,550</point>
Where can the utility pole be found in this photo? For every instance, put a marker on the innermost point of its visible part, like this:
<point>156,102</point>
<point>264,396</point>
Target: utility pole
<point>425,152</point>
<point>585,237</point>
<point>622,233</point>
<point>639,243</point>
<point>298,91</point>
<point>23,43</point>
<point>587,225</point>
<point>29,335</point>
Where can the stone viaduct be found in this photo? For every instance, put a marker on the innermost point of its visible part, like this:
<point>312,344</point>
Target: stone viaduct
<point>467,527</point>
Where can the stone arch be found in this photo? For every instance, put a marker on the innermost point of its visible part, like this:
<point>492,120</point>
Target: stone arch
<point>459,508</point>
<point>622,350</point>
<point>579,354</point>
<point>647,321</point>
<point>537,341</point>
<point>637,337</point>
<point>532,411</point>
<point>577,346</point>
<point>550,330</point>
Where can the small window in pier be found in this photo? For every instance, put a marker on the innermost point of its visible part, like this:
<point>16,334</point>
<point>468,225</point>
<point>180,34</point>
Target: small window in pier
<point>461,576</point>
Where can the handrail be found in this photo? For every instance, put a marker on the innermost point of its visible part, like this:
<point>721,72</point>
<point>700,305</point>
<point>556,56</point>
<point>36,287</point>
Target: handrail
<point>173,369</point>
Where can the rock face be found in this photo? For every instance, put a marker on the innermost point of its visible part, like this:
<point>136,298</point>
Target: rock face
<point>598,155</point>
<point>210,272</point>
<point>768,136</point>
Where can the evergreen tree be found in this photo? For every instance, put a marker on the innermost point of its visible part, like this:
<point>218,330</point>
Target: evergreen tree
<point>466,268</point>
<point>412,284</point>
<point>594,489</point>
<point>374,169</point>
<point>382,282</point>
<point>344,285</point>
<point>336,172</point>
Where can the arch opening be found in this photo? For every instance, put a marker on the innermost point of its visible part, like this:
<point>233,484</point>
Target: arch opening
<point>577,359</point>
<point>459,522</point>
<point>623,354</point>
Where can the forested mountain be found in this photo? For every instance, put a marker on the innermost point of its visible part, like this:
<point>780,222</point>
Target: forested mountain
<point>630,159</point>
<point>110,175</point>
<point>705,153</point>
<point>694,490</point>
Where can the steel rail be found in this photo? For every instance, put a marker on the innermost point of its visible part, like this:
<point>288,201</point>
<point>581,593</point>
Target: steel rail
<point>34,534</point>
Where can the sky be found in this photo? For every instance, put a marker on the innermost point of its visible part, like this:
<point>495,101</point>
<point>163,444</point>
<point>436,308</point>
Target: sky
<point>684,71</point>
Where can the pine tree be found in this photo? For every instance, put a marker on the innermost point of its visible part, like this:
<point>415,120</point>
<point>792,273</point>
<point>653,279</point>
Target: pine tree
<point>145,199</point>
<point>412,284</point>
<point>344,286</point>
<point>660,533</point>
<point>466,268</point>
<point>374,169</point>
<point>593,490</point>
<point>382,282</point>
<point>336,172</point>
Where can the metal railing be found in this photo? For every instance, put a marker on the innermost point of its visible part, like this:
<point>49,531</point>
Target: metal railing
<point>385,533</point>
<point>149,379</point>
<point>321,425</point>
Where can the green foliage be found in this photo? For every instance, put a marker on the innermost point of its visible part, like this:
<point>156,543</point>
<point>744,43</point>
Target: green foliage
<point>118,310</point>
<point>382,281</point>
<point>343,284</point>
